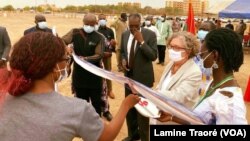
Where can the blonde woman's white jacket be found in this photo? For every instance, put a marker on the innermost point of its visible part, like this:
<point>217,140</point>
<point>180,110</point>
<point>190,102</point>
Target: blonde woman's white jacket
<point>184,84</point>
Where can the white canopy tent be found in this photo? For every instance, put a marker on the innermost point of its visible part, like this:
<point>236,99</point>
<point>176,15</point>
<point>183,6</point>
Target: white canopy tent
<point>218,6</point>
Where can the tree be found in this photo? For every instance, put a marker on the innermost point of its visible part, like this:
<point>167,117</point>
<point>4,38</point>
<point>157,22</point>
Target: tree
<point>26,8</point>
<point>49,8</point>
<point>39,9</point>
<point>147,9</point>
<point>8,8</point>
<point>70,8</point>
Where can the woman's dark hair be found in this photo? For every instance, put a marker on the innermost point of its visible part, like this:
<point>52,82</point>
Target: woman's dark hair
<point>34,56</point>
<point>228,44</point>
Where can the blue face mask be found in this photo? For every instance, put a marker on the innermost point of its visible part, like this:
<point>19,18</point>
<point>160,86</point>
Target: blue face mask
<point>102,22</point>
<point>202,34</point>
<point>88,28</point>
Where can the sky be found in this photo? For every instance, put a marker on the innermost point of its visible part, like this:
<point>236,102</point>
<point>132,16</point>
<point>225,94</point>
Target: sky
<point>63,3</point>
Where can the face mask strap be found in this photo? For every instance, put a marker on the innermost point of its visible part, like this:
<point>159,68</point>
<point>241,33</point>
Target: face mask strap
<point>58,68</point>
<point>207,55</point>
<point>215,65</point>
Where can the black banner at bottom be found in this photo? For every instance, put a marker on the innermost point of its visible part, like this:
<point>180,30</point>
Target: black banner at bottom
<point>216,132</point>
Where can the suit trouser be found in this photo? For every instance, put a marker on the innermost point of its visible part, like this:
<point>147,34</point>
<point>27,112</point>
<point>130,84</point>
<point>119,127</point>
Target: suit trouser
<point>104,97</point>
<point>136,123</point>
<point>161,53</point>
<point>91,94</point>
<point>107,66</point>
<point>118,58</point>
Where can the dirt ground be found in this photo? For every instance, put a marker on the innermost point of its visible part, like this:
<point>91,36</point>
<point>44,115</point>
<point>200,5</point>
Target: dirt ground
<point>16,23</point>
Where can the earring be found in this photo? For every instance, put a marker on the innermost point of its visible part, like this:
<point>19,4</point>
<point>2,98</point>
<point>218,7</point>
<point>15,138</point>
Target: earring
<point>215,65</point>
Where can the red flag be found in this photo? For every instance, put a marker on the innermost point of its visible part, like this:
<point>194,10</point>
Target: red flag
<point>247,93</point>
<point>190,19</point>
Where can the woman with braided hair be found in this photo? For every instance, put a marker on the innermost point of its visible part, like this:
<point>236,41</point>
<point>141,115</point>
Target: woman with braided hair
<point>222,102</point>
<point>31,109</point>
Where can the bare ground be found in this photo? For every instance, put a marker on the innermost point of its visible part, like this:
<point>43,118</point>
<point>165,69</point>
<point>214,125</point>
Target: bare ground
<point>16,23</point>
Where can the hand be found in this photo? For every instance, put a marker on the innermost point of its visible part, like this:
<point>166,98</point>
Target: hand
<point>69,49</point>
<point>3,64</point>
<point>83,58</point>
<point>131,100</point>
<point>113,43</point>
<point>124,65</point>
<point>138,36</point>
<point>165,117</point>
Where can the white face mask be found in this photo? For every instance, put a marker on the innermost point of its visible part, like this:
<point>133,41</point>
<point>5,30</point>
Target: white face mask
<point>162,19</point>
<point>175,55</point>
<point>42,25</point>
<point>147,23</point>
<point>202,61</point>
<point>102,22</point>
<point>88,28</point>
<point>63,74</point>
<point>215,65</point>
<point>96,27</point>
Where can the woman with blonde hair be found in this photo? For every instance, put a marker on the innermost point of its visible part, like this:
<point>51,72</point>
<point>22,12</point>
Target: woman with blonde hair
<point>181,78</point>
<point>222,102</point>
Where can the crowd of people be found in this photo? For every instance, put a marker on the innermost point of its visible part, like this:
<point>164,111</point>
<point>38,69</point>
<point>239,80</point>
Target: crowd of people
<point>199,75</point>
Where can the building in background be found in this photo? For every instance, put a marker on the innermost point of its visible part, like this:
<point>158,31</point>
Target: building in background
<point>199,6</point>
<point>174,4</point>
<point>131,4</point>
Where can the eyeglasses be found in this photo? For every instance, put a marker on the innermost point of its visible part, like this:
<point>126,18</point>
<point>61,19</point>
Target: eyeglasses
<point>176,48</point>
<point>67,59</point>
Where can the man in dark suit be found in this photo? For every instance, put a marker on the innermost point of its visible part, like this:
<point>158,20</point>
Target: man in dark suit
<point>138,49</point>
<point>5,46</point>
<point>41,25</point>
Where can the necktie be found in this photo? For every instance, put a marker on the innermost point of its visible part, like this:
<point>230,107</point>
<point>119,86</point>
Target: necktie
<point>132,54</point>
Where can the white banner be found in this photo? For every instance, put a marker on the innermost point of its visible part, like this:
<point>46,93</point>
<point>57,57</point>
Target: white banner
<point>163,103</point>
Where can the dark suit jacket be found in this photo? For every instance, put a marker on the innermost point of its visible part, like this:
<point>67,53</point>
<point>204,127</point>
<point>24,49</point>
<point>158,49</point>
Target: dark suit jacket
<point>144,55</point>
<point>5,44</point>
<point>34,29</point>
